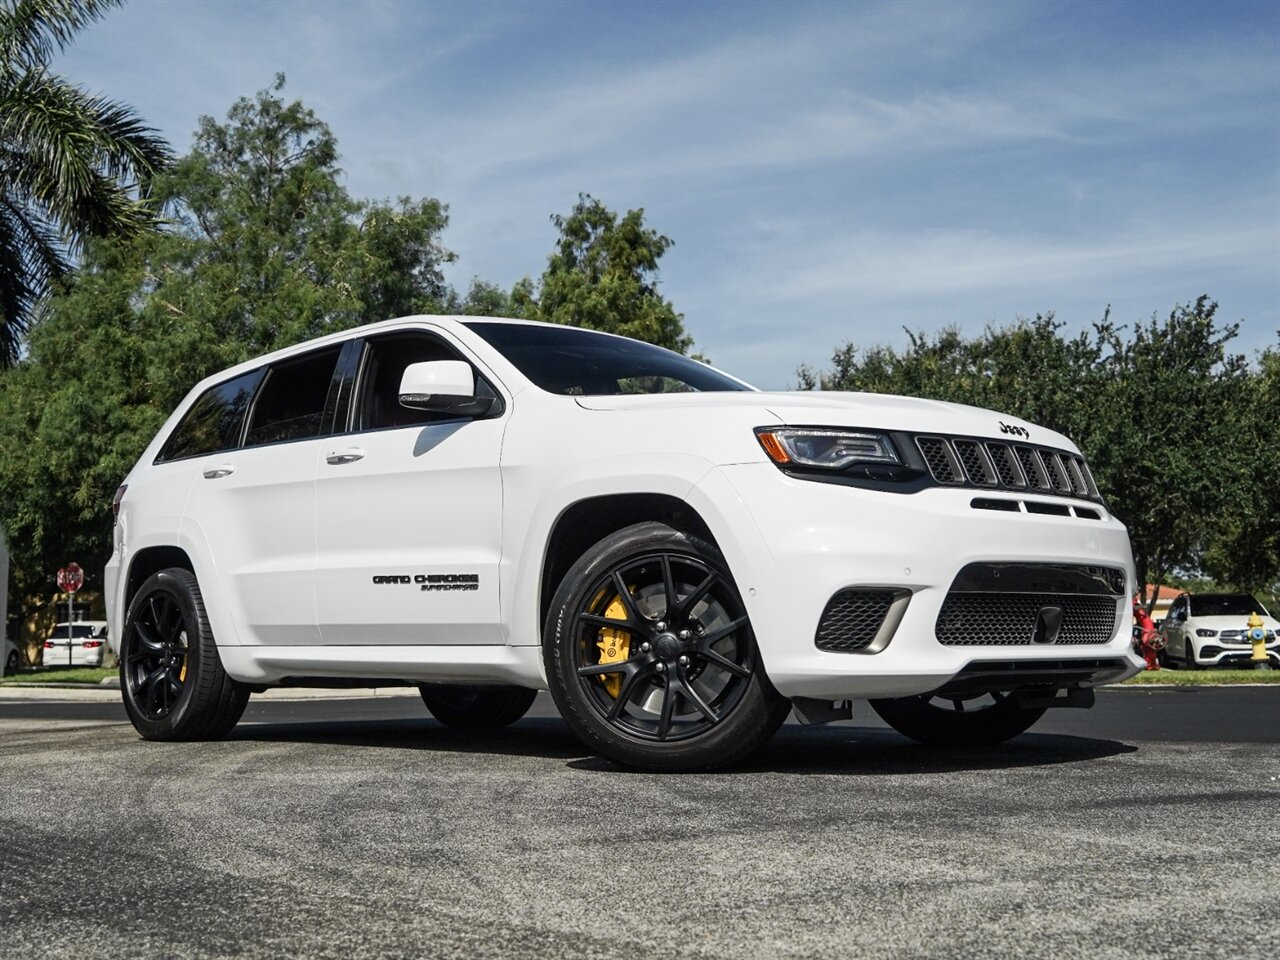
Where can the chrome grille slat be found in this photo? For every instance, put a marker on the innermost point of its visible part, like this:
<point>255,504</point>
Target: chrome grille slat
<point>974,460</point>
<point>940,460</point>
<point>1006,464</point>
<point>1053,470</point>
<point>1032,468</point>
<point>1077,477</point>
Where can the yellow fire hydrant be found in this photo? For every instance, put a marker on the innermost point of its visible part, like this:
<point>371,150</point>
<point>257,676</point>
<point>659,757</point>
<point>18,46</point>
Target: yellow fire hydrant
<point>1257,635</point>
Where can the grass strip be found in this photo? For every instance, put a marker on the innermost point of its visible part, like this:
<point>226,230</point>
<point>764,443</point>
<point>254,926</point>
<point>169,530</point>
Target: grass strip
<point>60,675</point>
<point>1222,677</point>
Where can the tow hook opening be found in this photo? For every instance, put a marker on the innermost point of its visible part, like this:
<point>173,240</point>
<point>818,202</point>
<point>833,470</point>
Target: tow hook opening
<point>1079,697</point>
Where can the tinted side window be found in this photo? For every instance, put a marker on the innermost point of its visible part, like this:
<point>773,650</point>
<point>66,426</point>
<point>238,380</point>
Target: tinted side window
<point>213,422</point>
<point>291,403</point>
<point>378,405</point>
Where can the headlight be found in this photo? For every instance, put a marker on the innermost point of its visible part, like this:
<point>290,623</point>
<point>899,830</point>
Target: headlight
<point>1202,632</point>
<point>825,447</point>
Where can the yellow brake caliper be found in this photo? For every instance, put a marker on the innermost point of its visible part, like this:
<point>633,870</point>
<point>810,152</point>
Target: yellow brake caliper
<point>615,646</point>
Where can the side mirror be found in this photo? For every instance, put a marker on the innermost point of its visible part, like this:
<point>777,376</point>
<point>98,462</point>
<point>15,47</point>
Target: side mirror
<point>442,386</point>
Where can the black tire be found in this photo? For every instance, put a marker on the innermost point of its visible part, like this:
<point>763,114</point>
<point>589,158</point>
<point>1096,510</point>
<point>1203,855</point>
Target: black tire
<point>171,678</point>
<point>683,635</point>
<point>960,723</point>
<point>1189,657</point>
<point>11,663</point>
<point>475,707</point>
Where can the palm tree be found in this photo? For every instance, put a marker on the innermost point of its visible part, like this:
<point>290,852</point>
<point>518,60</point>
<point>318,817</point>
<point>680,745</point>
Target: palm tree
<point>72,165</point>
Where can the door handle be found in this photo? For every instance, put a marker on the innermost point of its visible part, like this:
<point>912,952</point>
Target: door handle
<point>350,455</point>
<point>217,473</point>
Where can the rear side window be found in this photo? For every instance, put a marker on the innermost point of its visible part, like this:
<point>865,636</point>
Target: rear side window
<point>213,422</point>
<point>291,403</point>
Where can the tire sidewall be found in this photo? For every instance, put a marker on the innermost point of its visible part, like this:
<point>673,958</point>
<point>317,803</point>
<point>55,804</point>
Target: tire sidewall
<point>759,706</point>
<point>185,593</point>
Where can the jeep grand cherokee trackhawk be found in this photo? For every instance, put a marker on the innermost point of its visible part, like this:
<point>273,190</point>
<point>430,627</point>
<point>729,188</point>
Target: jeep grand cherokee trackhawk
<point>485,508</point>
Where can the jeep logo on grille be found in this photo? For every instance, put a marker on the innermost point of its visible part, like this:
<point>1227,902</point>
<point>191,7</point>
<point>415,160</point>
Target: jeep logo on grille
<point>1016,431</point>
<point>1048,625</point>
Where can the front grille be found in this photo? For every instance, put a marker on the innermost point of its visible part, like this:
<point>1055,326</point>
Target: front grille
<point>1010,604</point>
<point>852,619</point>
<point>1242,636</point>
<point>998,465</point>
<point>995,619</point>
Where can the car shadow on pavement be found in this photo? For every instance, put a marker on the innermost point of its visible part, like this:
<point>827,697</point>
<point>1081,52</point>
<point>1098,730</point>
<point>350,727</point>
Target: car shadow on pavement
<point>832,750</point>
<point>870,752</point>
<point>531,737</point>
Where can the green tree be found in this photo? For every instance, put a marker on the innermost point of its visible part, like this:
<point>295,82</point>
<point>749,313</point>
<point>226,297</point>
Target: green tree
<point>72,165</point>
<point>603,275</point>
<point>1243,542</point>
<point>265,248</point>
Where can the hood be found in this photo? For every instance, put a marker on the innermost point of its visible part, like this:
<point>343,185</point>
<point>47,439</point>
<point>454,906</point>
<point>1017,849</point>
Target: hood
<point>838,409</point>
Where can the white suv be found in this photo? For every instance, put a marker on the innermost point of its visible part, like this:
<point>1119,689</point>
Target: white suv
<point>486,508</point>
<point>1212,629</point>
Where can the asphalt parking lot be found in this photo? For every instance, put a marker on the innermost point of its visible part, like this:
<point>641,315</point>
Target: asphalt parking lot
<point>1143,828</point>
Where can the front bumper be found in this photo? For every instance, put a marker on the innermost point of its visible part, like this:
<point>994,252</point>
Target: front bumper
<point>801,541</point>
<point>1210,652</point>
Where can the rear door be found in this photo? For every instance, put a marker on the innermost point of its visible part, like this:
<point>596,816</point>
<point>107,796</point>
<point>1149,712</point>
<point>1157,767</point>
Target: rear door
<point>409,512</point>
<point>254,506</point>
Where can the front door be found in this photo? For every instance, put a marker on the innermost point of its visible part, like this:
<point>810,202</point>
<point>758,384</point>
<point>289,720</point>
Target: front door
<point>409,514</point>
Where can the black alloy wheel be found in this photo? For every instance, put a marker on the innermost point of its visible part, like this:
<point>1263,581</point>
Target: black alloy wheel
<point>976,721</point>
<point>1189,656</point>
<point>171,678</point>
<point>156,666</point>
<point>11,662</point>
<point>651,655</point>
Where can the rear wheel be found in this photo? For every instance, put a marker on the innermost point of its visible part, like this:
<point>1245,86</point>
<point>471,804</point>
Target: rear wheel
<point>474,707</point>
<point>650,655</point>
<point>172,681</point>
<point>979,721</point>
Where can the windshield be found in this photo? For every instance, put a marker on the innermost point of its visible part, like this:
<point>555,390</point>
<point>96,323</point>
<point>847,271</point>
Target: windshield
<point>580,363</point>
<point>1225,605</point>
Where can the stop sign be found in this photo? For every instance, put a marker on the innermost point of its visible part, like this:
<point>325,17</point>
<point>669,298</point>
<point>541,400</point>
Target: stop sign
<point>71,578</point>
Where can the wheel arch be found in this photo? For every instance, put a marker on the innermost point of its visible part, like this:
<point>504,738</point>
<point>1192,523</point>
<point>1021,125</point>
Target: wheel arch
<point>588,521</point>
<point>149,561</point>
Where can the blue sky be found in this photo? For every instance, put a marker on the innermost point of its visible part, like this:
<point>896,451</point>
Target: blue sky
<point>830,172</point>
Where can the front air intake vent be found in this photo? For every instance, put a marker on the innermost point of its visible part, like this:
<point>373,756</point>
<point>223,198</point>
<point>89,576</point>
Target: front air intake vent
<point>859,620</point>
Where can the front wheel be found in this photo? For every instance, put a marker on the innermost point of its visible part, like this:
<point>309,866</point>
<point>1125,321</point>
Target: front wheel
<point>650,655</point>
<point>980,721</point>
<point>474,707</point>
<point>11,663</point>
<point>171,678</point>
<point>1189,657</point>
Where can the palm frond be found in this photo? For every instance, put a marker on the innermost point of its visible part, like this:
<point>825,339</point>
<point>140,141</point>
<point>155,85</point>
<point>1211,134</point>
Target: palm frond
<point>31,31</point>
<point>69,151</point>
